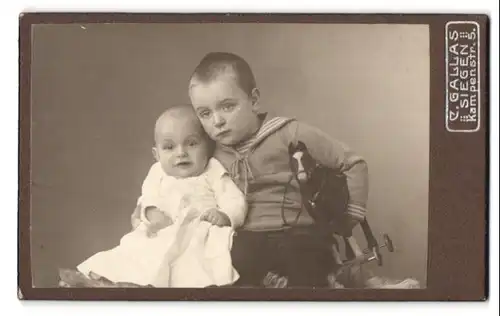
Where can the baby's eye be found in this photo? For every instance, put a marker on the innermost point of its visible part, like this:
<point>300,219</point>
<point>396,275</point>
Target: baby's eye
<point>168,147</point>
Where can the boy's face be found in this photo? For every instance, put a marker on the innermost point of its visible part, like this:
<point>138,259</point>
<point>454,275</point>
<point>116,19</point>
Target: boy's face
<point>181,146</point>
<point>228,114</point>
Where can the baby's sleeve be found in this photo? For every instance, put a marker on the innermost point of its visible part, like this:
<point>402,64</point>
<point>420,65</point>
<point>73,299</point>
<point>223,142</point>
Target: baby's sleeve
<point>149,192</point>
<point>230,200</point>
<point>337,155</point>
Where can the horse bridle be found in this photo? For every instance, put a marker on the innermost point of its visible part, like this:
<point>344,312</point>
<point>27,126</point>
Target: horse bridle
<point>312,201</point>
<point>285,223</point>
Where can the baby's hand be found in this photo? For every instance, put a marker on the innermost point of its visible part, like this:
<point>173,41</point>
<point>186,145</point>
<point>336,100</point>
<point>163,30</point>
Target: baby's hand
<point>216,217</point>
<point>157,220</point>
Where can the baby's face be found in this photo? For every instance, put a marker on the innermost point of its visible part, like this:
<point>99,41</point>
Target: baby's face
<point>228,114</point>
<point>181,147</point>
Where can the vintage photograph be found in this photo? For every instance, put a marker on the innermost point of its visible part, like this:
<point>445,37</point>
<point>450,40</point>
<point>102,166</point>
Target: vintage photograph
<point>240,155</point>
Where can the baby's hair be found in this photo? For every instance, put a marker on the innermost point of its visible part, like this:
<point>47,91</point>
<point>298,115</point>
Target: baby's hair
<point>215,63</point>
<point>177,111</point>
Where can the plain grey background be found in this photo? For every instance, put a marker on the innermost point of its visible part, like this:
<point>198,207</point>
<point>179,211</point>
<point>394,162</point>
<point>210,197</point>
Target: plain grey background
<point>97,90</point>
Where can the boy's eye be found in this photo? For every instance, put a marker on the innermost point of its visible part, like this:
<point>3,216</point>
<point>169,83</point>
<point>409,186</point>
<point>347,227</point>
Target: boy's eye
<point>228,106</point>
<point>168,146</point>
<point>204,114</point>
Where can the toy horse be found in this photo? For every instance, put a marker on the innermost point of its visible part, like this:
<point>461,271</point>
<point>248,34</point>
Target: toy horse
<point>325,196</point>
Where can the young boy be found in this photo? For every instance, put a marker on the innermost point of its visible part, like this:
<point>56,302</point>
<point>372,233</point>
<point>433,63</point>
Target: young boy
<point>253,146</point>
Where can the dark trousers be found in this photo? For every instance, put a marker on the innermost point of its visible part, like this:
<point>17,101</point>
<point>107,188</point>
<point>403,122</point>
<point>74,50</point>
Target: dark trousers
<point>300,254</point>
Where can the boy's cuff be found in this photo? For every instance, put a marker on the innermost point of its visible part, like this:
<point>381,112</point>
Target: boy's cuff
<point>356,212</point>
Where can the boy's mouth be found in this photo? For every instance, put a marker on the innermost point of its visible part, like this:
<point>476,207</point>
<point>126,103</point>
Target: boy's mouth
<point>222,133</point>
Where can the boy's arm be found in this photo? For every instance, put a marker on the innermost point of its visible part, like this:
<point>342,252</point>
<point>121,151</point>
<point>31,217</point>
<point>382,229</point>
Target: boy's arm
<point>230,200</point>
<point>337,155</point>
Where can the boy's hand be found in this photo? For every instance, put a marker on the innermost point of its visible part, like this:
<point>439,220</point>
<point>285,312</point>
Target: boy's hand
<point>157,220</point>
<point>348,225</point>
<point>352,223</point>
<point>216,217</point>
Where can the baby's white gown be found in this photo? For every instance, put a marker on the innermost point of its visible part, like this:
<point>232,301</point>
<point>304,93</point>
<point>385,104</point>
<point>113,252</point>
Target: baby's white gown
<point>189,253</point>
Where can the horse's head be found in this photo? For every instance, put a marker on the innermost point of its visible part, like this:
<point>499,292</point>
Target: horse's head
<point>324,190</point>
<point>301,162</point>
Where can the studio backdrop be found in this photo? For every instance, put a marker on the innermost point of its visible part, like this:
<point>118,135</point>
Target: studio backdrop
<point>97,90</point>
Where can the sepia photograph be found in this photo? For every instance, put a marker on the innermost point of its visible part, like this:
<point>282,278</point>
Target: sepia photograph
<point>229,156</point>
<point>261,155</point>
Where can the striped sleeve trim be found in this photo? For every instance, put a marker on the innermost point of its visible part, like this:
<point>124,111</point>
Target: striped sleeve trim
<point>351,161</point>
<point>356,211</point>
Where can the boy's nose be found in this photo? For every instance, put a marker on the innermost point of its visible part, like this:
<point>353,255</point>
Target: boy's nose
<point>219,120</point>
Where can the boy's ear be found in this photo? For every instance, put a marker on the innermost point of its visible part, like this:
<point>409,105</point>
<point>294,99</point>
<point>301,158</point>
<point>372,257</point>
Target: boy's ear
<point>255,99</point>
<point>155,154</point>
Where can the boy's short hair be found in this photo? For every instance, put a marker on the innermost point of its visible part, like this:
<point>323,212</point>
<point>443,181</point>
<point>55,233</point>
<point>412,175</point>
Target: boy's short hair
<point>215,63</point>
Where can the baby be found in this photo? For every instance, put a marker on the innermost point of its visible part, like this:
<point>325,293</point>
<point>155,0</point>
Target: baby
<point>185,217</point>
